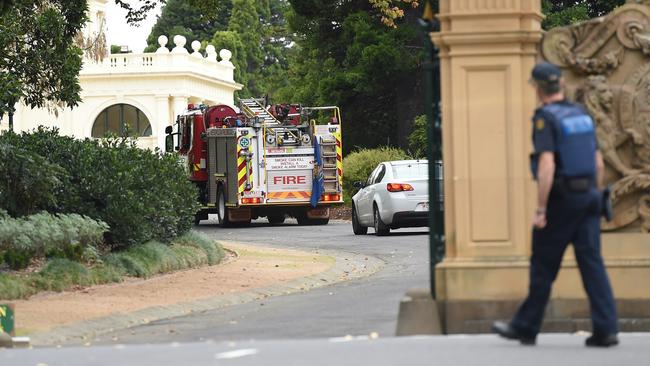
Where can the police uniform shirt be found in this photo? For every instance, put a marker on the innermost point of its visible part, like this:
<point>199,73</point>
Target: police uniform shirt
<point>548,132</point>
<point>543,137</point>
<point>543,132</point>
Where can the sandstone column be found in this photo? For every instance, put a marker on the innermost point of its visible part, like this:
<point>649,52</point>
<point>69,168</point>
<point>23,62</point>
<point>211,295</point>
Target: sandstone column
<point>487,49</point>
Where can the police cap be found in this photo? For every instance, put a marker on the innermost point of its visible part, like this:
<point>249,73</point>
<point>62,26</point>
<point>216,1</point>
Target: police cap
<point>546,73</point>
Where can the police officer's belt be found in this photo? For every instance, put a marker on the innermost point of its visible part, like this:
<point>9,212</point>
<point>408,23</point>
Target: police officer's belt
<point>574,184</point>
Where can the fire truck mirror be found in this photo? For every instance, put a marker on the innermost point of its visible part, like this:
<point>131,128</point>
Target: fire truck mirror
<point>168,130</point>
<point>169,143</point>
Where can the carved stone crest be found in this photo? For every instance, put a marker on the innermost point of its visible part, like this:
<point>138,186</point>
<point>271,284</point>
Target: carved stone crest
<point>607,68</point>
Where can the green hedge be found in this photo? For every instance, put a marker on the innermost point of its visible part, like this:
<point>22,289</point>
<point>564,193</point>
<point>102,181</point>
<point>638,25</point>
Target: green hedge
<point>358,165</point>
<point>42,235</point>
<point>28,182</point>
<point>142,195</point>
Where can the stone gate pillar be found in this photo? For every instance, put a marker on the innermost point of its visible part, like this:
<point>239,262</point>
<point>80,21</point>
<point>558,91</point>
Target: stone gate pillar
<point>487,50</point>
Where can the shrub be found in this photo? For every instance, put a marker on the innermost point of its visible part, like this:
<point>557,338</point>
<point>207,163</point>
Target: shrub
<point>47,235</point>
<point>58,274</point>
<point>13,287</point>
<point>149,259</point>
<point>28,182</point>
<point>418,138</point>
<point>214,251</point>
<point>358,165</point>
<point>143,195</point>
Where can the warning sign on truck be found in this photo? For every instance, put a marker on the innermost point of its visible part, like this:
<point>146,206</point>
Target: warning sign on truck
<point>286,181</point>
<point>290,163</point>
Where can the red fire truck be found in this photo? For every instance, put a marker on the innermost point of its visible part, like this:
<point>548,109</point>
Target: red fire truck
<point>264,160</point>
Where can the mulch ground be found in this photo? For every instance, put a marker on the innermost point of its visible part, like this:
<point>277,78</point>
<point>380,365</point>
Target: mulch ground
<point>341,213</point>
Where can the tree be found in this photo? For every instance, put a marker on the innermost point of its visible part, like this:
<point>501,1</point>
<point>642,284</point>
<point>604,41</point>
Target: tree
<point>276,44</point>
<point>183,18</point>
<point>259,39</point>
<point>231,41</point>
<point>245,21</point>
<point>39,62</point>
<point>418,137</point>
<point>138,12</point>
<point>565,12</point>
<point>344,55</point>
<point>255,31</point>
<point>390,9</point>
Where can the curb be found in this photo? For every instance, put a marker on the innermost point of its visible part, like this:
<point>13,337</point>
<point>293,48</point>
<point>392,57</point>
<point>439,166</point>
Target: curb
<point>348,266</point>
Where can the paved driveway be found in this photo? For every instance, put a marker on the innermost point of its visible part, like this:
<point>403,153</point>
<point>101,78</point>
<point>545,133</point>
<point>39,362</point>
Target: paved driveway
<point>359,307</point>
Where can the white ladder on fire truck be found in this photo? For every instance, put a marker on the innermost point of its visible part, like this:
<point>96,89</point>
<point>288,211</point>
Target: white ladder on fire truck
<point>252,107</point>
<point>328,156</point>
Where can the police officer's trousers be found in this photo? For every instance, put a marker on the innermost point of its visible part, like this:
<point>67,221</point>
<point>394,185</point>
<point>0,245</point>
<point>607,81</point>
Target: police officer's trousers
<point>572,218</point>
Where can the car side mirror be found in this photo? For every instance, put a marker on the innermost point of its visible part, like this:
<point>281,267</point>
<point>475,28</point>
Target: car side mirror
<point>169,130</point>
<point>169,143</point>
<point>358,185</point>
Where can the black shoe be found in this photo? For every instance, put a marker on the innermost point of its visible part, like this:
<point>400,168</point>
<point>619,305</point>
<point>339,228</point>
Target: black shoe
<point>602,341</point>
<point>508,332</point>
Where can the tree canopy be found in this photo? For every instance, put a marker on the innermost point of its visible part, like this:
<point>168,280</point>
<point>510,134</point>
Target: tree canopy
<point>138,10</point>
<point>565,12</point>
<point>345,56</point>
<point>183,18</point>
<point>254,30</point>
<point>39,61</point>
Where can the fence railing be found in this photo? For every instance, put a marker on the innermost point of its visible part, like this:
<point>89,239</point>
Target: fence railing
<point>178,60</point>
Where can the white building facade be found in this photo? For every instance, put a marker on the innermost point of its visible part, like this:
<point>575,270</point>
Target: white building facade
<point>136,93</point>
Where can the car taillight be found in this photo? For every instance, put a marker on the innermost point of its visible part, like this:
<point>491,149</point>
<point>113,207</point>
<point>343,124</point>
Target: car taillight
<point>398,187</point>
<point>330,197</point>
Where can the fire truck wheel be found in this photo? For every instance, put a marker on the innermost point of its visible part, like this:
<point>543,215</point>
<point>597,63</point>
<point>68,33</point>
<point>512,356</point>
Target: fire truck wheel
<point>276,219</point>
<point>357,228</point>
<point>380,228</point>
<point>222,210</point>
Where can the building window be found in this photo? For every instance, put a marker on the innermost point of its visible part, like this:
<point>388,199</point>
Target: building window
<point>121,120</point>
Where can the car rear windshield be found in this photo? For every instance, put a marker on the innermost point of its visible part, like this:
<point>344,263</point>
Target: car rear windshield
<point>414,170</point>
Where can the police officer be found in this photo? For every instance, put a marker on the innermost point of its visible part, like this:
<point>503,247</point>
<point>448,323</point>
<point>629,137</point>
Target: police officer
<point>568,169</point>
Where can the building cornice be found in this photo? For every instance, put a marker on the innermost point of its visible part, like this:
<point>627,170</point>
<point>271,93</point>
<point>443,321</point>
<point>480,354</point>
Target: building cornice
<point>166,75</point>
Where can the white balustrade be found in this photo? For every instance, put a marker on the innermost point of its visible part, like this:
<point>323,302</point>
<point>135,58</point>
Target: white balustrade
<point>179,60</point>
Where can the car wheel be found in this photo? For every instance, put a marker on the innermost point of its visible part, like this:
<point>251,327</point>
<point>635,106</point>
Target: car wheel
<point>380,228</point>
<point>222,210</point>
<point>357,228</point>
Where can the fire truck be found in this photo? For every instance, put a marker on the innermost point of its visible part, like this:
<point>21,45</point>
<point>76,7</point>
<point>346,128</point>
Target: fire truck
<point>262,160</point>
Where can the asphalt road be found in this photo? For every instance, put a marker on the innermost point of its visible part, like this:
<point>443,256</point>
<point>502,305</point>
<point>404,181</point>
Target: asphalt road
<point>360,307</point>
<point>476,350</point>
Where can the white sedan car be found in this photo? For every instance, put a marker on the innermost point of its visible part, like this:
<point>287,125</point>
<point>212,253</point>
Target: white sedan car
<point>394,196</point>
